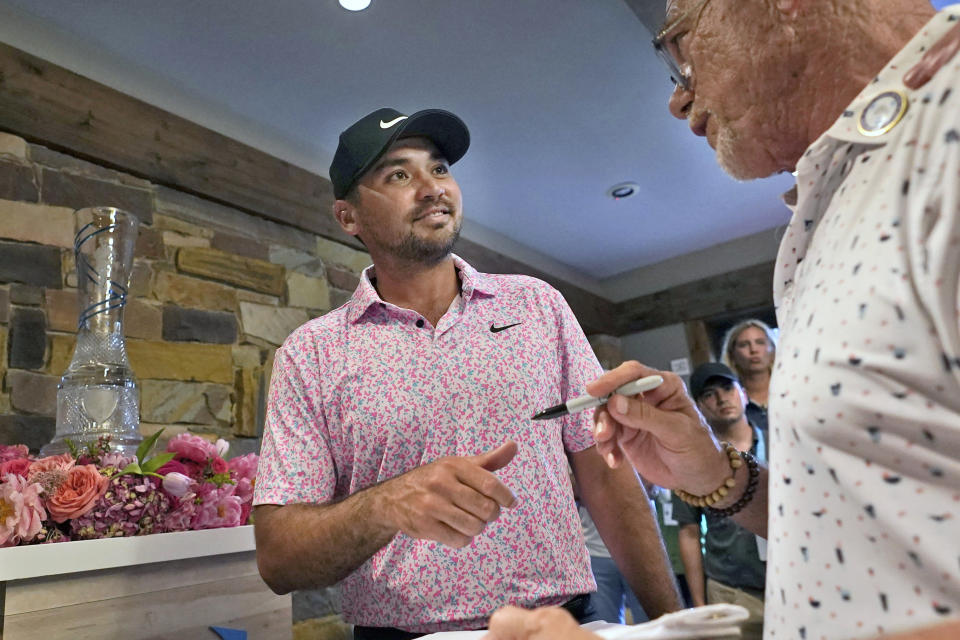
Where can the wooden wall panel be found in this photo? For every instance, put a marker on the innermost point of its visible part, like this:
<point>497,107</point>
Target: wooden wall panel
<point>49,105</point>
<point>743,289</point>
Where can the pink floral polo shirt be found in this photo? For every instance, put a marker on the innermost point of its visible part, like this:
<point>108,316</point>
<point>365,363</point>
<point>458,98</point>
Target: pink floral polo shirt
<point>370,391</point>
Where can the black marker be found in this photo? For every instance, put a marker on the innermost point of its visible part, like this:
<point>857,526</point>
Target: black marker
<point>585,402</point>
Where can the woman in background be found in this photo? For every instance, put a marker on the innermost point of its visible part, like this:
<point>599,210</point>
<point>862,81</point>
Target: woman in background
<point>749,348</point>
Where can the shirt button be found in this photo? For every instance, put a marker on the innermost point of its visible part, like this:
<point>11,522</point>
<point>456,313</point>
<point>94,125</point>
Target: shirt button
<point>420,323</point>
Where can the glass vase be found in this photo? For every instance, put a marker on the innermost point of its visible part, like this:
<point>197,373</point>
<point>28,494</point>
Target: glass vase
<point>98,395</point>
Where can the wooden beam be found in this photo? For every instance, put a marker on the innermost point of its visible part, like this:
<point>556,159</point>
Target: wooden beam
<point>743,289</point>
<point>698,342</point>
<point>49,105</point>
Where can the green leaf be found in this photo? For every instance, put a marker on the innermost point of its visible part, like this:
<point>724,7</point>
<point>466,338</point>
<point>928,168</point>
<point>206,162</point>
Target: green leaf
<point>133,468</point>
<point>221,479</point>
<point>72,447</point>
<point>146,445</point>
<point>156,462</point>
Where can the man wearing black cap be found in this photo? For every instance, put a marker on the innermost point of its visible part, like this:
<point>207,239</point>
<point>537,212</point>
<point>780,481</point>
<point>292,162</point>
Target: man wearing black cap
<point>389,416</point>
<point>732,568</point>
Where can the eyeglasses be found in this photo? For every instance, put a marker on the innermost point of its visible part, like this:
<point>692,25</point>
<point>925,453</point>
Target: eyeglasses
<point>666,46</point>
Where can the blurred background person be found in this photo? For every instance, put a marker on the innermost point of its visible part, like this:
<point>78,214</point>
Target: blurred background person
<point>749,349</point>
<point>731,566</point>
<point>670,529</point>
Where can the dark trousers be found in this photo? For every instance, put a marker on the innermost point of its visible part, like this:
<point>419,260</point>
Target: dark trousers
<point>578,606</point>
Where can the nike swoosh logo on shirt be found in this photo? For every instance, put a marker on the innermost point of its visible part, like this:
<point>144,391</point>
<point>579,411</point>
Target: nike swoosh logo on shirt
<point>496,329</point>
<point>387,125</point>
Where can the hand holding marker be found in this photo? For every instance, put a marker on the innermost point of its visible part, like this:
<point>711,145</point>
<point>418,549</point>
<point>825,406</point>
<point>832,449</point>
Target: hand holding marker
<point>586,402</point>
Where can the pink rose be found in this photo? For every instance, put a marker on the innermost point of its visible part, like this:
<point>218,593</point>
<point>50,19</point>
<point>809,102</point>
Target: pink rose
<point>219,465</point>
<point>62,462</point>
<point>21,510</point>
<point>18,467</point>
<point>13,452</point>
<point>77,494</point>
<point>191,447</point>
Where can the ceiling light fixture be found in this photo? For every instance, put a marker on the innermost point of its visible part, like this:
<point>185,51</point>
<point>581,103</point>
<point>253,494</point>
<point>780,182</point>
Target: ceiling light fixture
<point>354,5</point>
<point>623,190</point>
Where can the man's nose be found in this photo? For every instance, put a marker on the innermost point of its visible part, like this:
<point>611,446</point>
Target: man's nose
<point>430,187</point>
<point>680,102</point>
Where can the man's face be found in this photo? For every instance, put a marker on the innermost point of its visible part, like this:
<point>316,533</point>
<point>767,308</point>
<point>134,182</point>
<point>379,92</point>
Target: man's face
<point>740,61</point>
<point>408,205</point>
<point>752,351</point>
<point>722,403</point>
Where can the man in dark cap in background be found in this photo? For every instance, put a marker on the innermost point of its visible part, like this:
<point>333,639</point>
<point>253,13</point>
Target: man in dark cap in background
<point>860,99</point>
<point>731,566</point>
<point>399,456</point>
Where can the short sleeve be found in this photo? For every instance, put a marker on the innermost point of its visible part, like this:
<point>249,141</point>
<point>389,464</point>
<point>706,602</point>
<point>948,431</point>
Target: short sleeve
<point>296,462</point>
<point>685,514</point>
<point>579,365</point>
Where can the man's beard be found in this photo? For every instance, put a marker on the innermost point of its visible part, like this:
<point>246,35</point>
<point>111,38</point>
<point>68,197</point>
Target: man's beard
<point>413,248</point>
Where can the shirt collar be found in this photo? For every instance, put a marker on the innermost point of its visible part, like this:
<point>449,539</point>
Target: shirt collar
<point>891,79</point>
<point>844,128</point>
<point>471,282</point>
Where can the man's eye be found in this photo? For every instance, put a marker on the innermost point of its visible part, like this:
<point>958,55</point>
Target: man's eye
<point>397,175</point>
<point>442,170</point>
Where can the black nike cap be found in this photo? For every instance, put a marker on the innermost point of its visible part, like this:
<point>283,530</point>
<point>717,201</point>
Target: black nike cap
<point>362,144</point>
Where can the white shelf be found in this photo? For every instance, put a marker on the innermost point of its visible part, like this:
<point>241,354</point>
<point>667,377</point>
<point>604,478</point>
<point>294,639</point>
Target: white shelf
<point>32,561</point>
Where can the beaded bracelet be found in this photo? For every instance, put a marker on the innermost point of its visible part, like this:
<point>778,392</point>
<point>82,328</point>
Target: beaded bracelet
<point>736,458</point>
<point>753,480</point>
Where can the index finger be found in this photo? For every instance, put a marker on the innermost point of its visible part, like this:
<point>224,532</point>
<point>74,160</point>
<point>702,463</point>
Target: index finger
<point>486,483</point>
<point>628,372</point>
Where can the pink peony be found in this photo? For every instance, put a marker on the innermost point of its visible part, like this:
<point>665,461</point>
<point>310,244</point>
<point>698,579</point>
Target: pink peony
<point>21,510</point>
<point>244,466</point>
<point>191,447</point>
<point>218,507</point>
<point>13,452</point>
<point>77,494</point>
<point>19,467</point>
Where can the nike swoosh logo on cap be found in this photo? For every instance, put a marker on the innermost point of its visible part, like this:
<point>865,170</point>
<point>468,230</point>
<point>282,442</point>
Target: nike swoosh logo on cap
<point>387,125</point>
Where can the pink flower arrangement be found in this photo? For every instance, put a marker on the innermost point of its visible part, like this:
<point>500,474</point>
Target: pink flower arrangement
<point>97,493</point>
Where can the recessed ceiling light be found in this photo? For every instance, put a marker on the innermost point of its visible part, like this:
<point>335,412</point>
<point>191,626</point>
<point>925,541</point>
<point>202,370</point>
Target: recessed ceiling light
<point>623,190</point>
<point>354,5</point>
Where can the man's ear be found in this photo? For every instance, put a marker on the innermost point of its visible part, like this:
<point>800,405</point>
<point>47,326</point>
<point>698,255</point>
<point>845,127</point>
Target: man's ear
<point>346,215</point>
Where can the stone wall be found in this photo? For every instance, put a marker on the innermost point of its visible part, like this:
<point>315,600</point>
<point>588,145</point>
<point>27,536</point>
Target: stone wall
<point>214,292</point>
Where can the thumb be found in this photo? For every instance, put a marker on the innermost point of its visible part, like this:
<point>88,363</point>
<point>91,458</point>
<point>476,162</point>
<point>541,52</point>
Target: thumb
<point>496,458</point>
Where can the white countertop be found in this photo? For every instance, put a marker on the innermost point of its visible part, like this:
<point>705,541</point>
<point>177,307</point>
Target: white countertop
<point>31,561</point>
